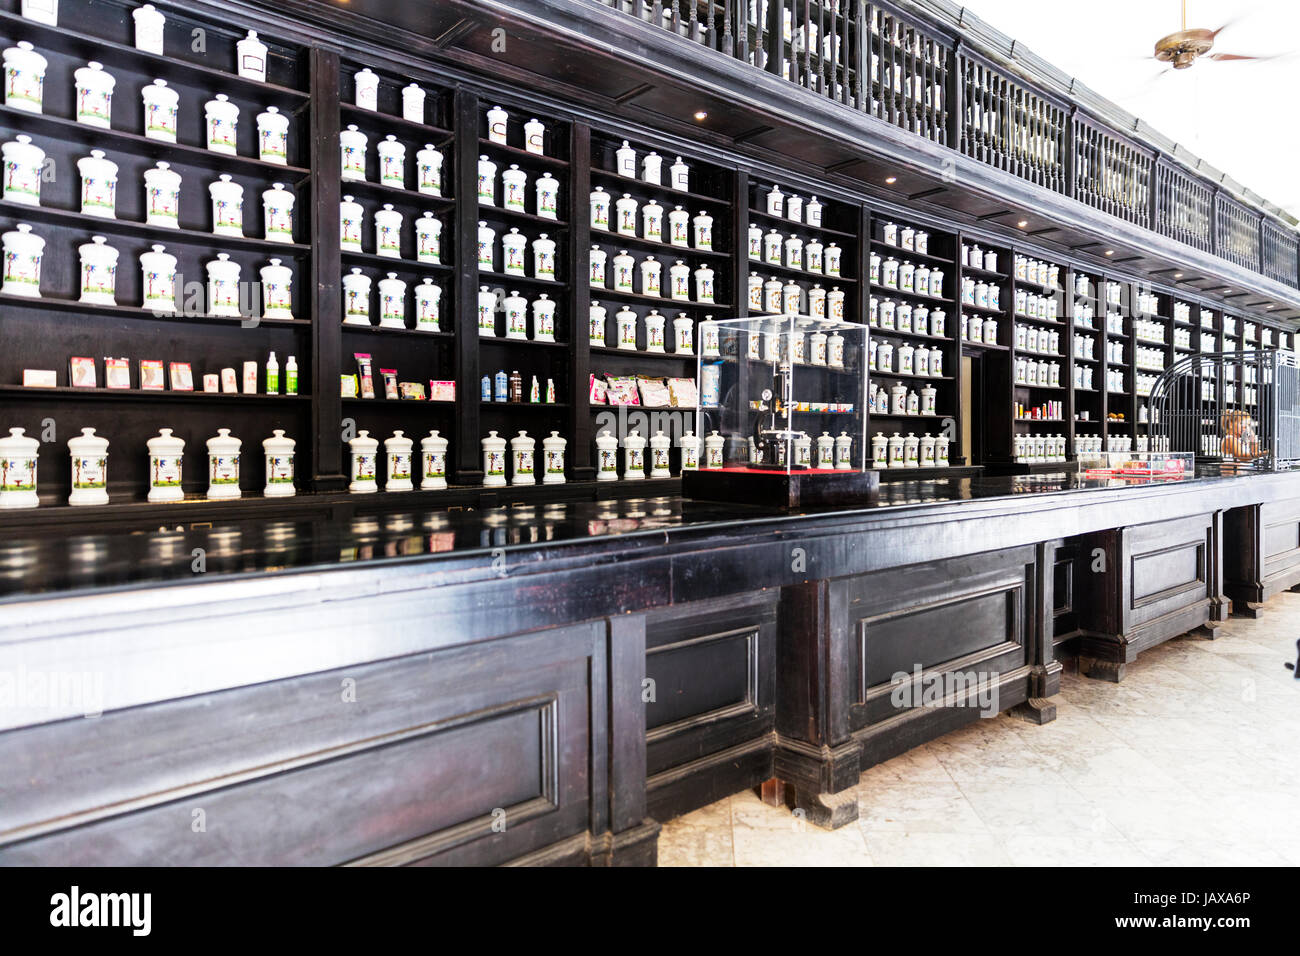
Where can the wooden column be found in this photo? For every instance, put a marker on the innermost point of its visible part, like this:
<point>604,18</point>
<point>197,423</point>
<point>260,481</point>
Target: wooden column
<point>465,462</point>
<point>580,427</point>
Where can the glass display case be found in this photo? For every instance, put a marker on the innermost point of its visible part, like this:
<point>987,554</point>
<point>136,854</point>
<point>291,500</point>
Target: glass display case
<point>783,395</point>
<point>1137,465</point>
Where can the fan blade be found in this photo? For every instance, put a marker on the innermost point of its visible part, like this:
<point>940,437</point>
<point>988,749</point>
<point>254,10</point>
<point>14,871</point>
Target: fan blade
<point>1225,57</point>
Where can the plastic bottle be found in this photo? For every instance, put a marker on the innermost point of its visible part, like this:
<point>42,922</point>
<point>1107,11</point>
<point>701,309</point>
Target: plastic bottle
<point>291,376</point>
<point>272,376</point>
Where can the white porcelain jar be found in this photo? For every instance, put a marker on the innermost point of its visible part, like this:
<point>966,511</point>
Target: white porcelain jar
<point>626,320</point>
<point>679,175</point>
<point>683,334</point>
<point>710,339</point>
<point>388,232</point>
<point>23,165</point>
<point>433,454</point>
<point>23,251</point>
<point>679,227</point>
<point>149,23</point>
<point>277,213</point>
<point>535,136</point>
<point>606,457</point>
<point>835,350</point>
<point>98,185</point>
<point>162,188</point>
<point>94,87</point>
<point>273,136</point>
<point>278,452</point>
<point>596,317</point>
<point>497,124</point>
<point>166,454</point>
<point>835,304</point>
<point>772,296</point>
<point>547,189</point>
<point>366,84</point>
<point>227,206</point>
<point>596,267</point>
<point>397,448</point>
<point>24,77</point>
<point>791,298</point>
<point>356,298</point>
<point>161,105</point>
<point>516,310</point>
<point>794,208</point>
<point>775,202</point>
<point>428,164</point>
<point>392,162</point>
<point>428,239</point>
<point>652,168</point>
<point>543,318</point>
<point>703,229</point>
<point>679,280</point>
<point>513,248</point>
<point>652,221</point>
<point>222,123</point>
<point>352,147</point>
<point>223,286</point>
<point>494,460</point>
<point>634,457</point>
<point>704,285</point>
<point>487,310</point>
<point>543,257</point>
<point>98,272</point>
<point>277,291</point>
<point>428,311</point>
<point>250,57</point>
<point>625,215</point>
<point>351,221</point>
<point>772,248</point>
<point>223,465</point>
<point>89,454</point>
<point>365,466</point>
<point>158,280</point>
<point>625,160</point>
<point>794,253</point>
<point>514,183</point>
<point>623,268</point>
<point>41,11</point>
<point>660,456</point>
<point>817,302</point>
<point>599,201</point>
<point>813,212</point>
<point>18,458</point>
<point>487,181</point>
<point>825,451</point>
<point>523,467</point>
<point>392,302</point>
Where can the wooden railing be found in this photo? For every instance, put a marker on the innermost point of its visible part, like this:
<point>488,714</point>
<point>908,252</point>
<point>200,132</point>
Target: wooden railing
<point>868,57</point>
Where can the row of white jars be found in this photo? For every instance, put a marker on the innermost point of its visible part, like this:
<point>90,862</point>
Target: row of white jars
<point>1038,372</point>
<point>901,400</point>
<point>391,162</point>
<point>1149,331</point>
<point>89,452</point>
<point>909,451</point>
<point>906,237</point>
<point>1034,306</point>
<point>625,163</point>
<point>1085,347</point>
<point>792,252</point>
<point>984,295</point>
<point>973,257</point>
<point>514,189</point>
<point>1034,449</point>
<point>24,85</point>
<point>24,252</point>
<point>399,454</point>
<point>683,230</point>
<point>975,329</point>
<point>388,231</point>
<point>365,86</point>
<point>794,346</point>
<point>392,302</point>
<point>905,317</point>
<point>25,163</point>
<point>906,276</point>
<point>831,452</point>
<point>516,308</point>
<point>1149,358</point>
<point>621,271</point>
<point>1083,378</point>
<point>1037,272</point>
<point>912,359</point>
<point>790,298</point>
<point>791,207</point>
<point>656,326</point>
<point>498,130</point>
<point>523,463</point>
<point>1031,338</point>
<point>514,253</point>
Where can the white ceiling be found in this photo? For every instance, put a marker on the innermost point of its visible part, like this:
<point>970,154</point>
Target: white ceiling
<point>1238,116</point>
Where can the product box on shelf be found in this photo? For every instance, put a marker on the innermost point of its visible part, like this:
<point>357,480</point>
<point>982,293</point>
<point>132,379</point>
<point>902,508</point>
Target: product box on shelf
<point>782,412</point>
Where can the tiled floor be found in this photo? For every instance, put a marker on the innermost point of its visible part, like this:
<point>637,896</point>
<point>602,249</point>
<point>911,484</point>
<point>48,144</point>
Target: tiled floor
<point>1193,759</point>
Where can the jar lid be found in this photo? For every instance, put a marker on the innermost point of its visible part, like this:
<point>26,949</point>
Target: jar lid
<point>223,441</point>
<point>397,442</point>
<point>19,444</point>
<point>278,443</point>
<point>433,440</point>
<point>363,442</point>
<point>165,443</point>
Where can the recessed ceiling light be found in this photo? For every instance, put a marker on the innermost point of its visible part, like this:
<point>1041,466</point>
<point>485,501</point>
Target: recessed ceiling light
<point>1178,275</point>
<point>1022,223</point>
<point>891,180</point>
<point>700,114</point>
<point>1226,291</point>
<point>1110,252</point>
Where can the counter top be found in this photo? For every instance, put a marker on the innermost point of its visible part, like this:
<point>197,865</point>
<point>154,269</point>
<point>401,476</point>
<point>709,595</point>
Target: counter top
<point>385,531</point>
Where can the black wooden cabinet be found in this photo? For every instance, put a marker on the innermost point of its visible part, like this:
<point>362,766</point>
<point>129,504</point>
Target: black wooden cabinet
<point>1261,552</point>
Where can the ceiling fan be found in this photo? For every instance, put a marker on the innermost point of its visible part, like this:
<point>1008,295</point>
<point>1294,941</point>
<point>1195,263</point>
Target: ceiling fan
<point>1185,47</point>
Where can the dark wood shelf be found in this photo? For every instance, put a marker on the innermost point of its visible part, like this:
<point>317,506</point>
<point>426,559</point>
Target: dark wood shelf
<point>522,156</point>
<point>501,212</point>
<point>608,238</point>
<point>679,196</point>
<point>503,278</point>
<point>381,330</point>
<point>1021,317</point>
<point>804,274</point>
<point>908,335</point>
<point>824,231</point>
<point>136,312</point>
<point>421,133</point>
<point>400,265</point>
<point>924,297</point>
<point>407,197</point>
<point>904,254</point>
<point>146,394</point>
<point>95,137</point>
<point>598,293</point>
<point>641,353</point>
<point>875,373</point>
<point>526,343</point>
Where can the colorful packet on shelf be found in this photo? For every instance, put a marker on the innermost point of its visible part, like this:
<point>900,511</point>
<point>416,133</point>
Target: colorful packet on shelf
<point>348,386</point>
<point>622,390</point>
<point>682,393</point>
<point>442,391</point>
<point>390,383</point>
<point>597,391</point>
<point>654,393</point>
<point>411,391</point>
<point>363,372</point>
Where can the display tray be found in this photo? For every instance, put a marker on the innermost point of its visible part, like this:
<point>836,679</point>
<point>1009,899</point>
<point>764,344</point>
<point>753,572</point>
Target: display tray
<point>795,489</point>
